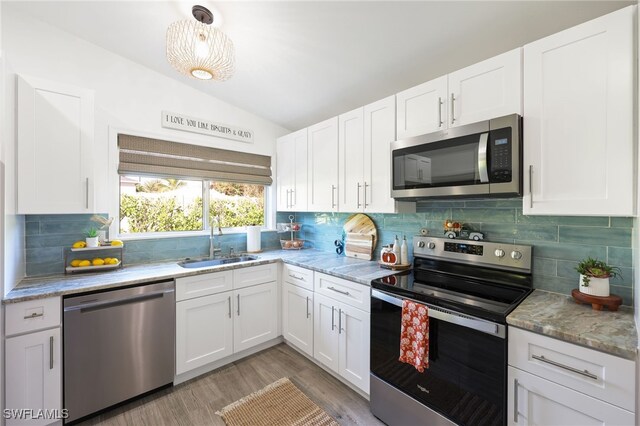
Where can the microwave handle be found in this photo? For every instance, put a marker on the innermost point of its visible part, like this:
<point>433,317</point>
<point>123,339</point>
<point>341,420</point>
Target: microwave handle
<point>482,158</point>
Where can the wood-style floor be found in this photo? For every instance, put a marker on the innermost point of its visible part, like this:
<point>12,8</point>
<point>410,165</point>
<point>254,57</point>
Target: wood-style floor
<point>196,401</point>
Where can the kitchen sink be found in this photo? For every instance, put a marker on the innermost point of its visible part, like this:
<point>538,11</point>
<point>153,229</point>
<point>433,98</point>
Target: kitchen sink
<point>204,263</point>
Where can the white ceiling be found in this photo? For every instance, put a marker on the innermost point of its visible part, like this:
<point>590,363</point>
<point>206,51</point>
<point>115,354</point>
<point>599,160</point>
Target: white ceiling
<point>299,63</point>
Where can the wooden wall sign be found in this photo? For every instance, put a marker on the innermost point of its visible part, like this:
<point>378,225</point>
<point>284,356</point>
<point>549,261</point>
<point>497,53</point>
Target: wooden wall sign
<point>171,120</point>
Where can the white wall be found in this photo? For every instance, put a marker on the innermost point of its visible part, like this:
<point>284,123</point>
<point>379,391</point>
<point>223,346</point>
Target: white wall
<point>128,96</point>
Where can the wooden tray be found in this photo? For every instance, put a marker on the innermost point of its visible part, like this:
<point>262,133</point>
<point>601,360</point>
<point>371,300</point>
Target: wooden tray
<point>612,302</point>
<point>400,267</point>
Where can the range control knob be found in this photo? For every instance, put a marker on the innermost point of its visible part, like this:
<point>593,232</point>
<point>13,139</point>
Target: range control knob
<point>499,253</point>
<point>516,255</point>
<point>421,244</point>
<point>431,245</point>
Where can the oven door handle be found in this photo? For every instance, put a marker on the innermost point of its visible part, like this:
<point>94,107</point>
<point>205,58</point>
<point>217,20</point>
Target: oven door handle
<point>451,317</point>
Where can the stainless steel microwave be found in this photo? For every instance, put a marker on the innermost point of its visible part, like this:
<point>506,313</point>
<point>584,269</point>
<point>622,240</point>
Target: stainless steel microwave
<point>479,159</point>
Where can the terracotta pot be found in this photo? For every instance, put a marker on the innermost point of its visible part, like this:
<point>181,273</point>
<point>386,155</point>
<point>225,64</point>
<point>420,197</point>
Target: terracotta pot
<point>597,286</point>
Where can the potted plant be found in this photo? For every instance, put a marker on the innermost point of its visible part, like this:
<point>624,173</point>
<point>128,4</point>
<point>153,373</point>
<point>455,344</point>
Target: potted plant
<point>594,276</point>
<point>92,237</point>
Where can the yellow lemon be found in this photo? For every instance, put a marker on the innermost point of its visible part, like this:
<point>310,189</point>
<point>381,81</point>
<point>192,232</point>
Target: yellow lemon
<point>84,263</point>
<point>98,262</point>
<point>113,261</point>
<point>107,260</point>
<point>79,244</point>
<point>116,243</point>
<point>75,263</point>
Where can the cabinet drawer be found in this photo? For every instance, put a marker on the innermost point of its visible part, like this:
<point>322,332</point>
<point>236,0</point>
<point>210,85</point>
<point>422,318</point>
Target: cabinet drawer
<point>246,277</point>
<point>32,315</point>
<point>203,285</point>
<point>354,294</point>
<point>298,276</point>
<point>606,377</point>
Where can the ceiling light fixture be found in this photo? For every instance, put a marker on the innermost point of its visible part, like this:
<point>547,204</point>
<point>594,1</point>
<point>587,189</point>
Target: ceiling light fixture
<point>197,49</point>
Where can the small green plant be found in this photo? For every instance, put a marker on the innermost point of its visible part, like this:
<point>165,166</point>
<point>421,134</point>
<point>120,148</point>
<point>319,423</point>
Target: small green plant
<point>594,268</point>
<point>91,233</point>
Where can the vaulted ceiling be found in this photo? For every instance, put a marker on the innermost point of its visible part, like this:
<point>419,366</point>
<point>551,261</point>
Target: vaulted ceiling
<point>301,62</point>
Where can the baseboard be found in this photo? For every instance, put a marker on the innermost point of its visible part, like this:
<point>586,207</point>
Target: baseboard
<point>222,362</point>
<point>331,372</point>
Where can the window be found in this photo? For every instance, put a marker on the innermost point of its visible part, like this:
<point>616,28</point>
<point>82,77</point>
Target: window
<point>164,205</point>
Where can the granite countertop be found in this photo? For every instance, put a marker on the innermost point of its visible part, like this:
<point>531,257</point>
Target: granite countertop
<point>361,271</point>
<point>557,315</point>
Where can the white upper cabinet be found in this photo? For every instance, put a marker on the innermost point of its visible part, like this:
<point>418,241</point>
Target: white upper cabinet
<point>323,166</point>
<point>482,91</point>
<point>351,148</point>
<point>578,119</point>
<point>486,90</point>
<point>55,148</point>
<point>292,171</point>
<point>422,109</point>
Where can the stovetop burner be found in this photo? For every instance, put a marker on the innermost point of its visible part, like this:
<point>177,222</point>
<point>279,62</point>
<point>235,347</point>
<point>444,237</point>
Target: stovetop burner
<point>474,279</point>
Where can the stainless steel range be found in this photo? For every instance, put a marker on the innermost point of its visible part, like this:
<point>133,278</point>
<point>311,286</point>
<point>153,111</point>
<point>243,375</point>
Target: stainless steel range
<point>469,288</point>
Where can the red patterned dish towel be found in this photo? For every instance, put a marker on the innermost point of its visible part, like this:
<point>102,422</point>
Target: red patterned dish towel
<point>414,336</point>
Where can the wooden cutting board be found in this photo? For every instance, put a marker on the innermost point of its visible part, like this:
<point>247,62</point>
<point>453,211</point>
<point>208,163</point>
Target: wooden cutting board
<point>359,246</point>
<point>360,224</point>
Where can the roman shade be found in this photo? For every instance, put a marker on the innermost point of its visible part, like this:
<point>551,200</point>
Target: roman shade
<point>148,156</point>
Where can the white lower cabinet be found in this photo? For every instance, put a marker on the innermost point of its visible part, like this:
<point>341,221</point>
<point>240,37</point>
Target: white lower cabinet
<point>537,401</point>
<point>204,331</point>
<point>552,382</point>
<point>341,339</point>
<point>34,376</point>
<point>217,324</point>
<point>297,317</point>
<point>256,310</point>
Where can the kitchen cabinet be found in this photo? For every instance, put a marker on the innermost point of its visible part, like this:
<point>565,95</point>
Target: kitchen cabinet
<point>341,328</point>
<point>223,313</point>
<point>551,382</point>
<point>204,331</point>
<point>291,173</point>
<point>323,166</point>
<point>579,119</point>
<point>482,91</point>
<point>55,136</point>
<point>297,317</point>
<point>422,109</point>
<point>364,160</point>
<point>256,311</point>
<point>33,359</point>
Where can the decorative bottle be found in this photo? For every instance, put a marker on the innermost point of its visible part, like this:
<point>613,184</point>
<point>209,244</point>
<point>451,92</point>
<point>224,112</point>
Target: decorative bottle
<point>404,251</point>
<point>396,249</point>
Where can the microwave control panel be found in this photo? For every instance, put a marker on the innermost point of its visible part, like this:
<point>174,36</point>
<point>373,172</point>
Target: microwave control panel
<point>500,154</point>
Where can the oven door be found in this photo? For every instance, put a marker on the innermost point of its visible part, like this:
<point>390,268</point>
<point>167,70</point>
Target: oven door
<point>466,378</point>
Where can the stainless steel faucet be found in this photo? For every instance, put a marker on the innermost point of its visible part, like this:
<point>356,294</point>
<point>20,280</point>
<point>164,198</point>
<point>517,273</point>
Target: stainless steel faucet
<point>212,249</point>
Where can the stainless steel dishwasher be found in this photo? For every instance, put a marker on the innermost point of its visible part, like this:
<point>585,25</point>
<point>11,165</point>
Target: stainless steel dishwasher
<point>117,345</point>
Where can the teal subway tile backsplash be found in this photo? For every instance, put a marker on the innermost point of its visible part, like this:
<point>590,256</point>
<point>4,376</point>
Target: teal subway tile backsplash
<point>47,237</point>
<point>559,242</point>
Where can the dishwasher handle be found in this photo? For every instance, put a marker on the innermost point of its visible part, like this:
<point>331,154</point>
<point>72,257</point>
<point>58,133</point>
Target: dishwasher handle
<point>94,306</point>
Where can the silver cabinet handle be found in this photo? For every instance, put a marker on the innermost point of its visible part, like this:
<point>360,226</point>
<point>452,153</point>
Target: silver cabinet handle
<point>294,276</point>
<point>307,306</point>
<point>358,197</point>
<point>346,293</point>
<point>585,373</point>
<point>333,196</point>
<point>530,186</point>
<point>365,195</point>
<point>453,115</point>
<point>440,122</point>
<point>333,321</point>
<point>87,194</point>
<point>33,315</point>
<point>229,299</point>
<point>50,352</point>
<point>340,329</point>
<point>515,400</point>
<point>292,199</point>
<point>238,305</point>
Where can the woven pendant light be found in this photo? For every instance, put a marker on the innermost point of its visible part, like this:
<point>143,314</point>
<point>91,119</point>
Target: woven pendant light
<point>197,49</point>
